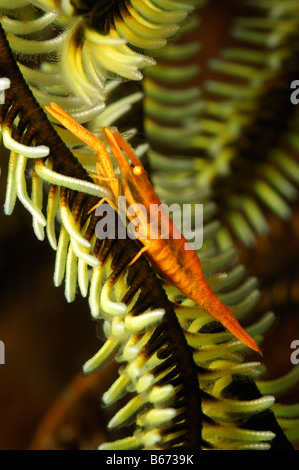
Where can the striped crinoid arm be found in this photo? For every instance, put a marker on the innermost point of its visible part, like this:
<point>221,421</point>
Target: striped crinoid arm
<point>183,381</point>
<point>249,125</point>
<point>70,51</point>
<point>189,153</point>
<point>157,377</point>
<point>36,147</point>
<point>232,406</point>
<point>179,371</point>
<point>76,56</point>
<point>236,132</point>
<point>172,109</point>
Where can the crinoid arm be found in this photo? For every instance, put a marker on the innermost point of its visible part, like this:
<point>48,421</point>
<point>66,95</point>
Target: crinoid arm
<point>182,381</point>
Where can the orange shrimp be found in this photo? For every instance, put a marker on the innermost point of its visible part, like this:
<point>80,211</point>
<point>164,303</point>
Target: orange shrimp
<point>176,264</point>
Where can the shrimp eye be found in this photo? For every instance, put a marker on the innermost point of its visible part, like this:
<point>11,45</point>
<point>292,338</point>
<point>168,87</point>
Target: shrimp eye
<point>138,170</point>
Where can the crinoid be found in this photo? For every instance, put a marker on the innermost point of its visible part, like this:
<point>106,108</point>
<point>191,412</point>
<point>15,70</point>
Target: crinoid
<point>183,382</point>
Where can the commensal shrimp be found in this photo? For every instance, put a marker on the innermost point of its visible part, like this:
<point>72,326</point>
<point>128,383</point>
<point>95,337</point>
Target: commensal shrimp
<point>176,264</point>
